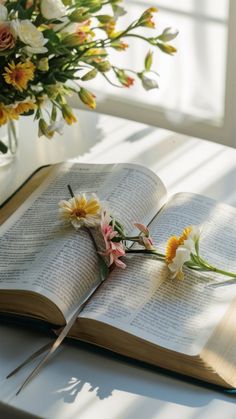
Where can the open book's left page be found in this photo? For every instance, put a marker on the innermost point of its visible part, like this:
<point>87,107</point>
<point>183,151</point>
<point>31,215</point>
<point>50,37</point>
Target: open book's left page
<point>39,254</point>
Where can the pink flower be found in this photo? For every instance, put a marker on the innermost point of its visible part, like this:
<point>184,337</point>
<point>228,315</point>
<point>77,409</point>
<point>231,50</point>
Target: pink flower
<point>114,250</point>
<point>7,39</point>
<point>145,238</point>
<point>147,242</point>
<point>141,227</point>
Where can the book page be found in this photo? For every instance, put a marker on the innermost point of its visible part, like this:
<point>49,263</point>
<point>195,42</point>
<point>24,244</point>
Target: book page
<point>176,315</point>
<point>134,193</point>
<point>38,253</point>
<point>217,221</point>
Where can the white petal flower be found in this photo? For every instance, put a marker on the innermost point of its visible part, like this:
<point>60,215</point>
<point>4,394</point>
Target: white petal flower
<point>169,34</point>
<point>81,211</point>
<point>29,35</point>
<point>57,126</point>
<point>52,9</point>
<point>3,13</point>
<point>149,83</point>
<point>176,266</point>
<point>189,244</point>
<point>30,51</point>
<point>193,237</point>
<point>194,233</point>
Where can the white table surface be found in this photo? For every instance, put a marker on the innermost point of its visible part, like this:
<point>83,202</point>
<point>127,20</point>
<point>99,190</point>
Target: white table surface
<point>80,382</point>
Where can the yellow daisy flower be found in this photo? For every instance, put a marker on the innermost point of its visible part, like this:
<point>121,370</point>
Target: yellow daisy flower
<point>185,234</point>
<point>18,75</point>
<point>12,114</point>
<point>179,250</point>
<point>81,211</point>
<point>171,247</point>
<point>24,107</point>
<point>4,115</point>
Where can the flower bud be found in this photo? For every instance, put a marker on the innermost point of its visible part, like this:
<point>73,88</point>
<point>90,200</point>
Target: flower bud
<point>79,15</point>
<point>43,64</point>
<point>43,129</point>
<point>141,227</point>
<point>146,18</point>
<point>148,61</point>
<point>72,40</point>
<point>93,5</point>
<point>168,34</point>
<point>87,98</point>
<point>124,78</point>
<point>103,66</point>
<point>104,18</point>
<point>68,114</point>
<point>167,48</point>
<point>90,75</point>
<point>148,83</point>
<point>119,45</point>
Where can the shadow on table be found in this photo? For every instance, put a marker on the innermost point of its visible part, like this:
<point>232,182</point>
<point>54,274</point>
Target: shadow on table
<point>109,372</point>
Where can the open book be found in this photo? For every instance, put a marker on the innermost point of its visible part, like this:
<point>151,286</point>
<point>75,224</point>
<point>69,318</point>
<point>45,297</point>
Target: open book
<point>47,269</point>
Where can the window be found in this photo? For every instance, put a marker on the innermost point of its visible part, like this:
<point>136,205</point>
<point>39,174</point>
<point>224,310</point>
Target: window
<point>197,88</point>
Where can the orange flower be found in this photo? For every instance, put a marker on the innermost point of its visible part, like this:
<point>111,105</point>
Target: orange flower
<point>18,75</point>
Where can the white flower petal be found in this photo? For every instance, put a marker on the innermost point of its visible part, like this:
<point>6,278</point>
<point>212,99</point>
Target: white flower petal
<point>149,83</point>
<point>52,9</point>
<point>190,245</point>
<point>29,34</point>
<point>195,233</point>
<point>3,13</point>
<point>182,256</point>
<point>30,51</point>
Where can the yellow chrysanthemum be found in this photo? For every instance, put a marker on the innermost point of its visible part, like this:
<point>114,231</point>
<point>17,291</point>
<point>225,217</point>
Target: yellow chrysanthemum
<point>81,211</point>
<point>174,242</point>
<point>24,107</point>
<point>12,114</point>
<point>184,236</point>
<point>3,114</point>
<point>171,247</point>
<point>18,75</point>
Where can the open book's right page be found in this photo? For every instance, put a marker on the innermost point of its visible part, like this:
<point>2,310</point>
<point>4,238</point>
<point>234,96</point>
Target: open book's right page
<point>176,315</point>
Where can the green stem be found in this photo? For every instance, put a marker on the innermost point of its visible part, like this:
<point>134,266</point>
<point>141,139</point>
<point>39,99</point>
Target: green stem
<point>134,35</point>
<point>146,251</point>
<point>220,271</point>
<point>201,264</point>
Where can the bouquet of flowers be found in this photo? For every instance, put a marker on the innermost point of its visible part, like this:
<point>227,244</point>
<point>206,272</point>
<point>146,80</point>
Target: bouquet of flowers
<point>49,49</point>
<point>114,245</point>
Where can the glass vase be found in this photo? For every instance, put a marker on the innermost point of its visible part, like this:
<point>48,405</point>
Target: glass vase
<point>8,142</point>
